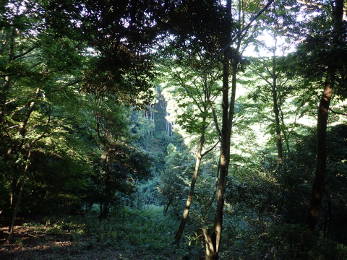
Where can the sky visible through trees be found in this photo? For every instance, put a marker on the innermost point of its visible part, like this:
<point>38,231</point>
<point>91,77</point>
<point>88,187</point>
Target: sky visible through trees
<point>179,129</point>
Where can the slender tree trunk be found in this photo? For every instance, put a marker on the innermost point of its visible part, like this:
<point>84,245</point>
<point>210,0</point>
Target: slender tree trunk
<point>15,211</point>
<point>212,241</point>
<point>227,128</point>
<point>19,196</point>
<point>224,166</point>
<point>15,203</point>
<point>323,109</point>
<point>284,131</point>
<point>210,252</point>
<point>318,183</point>
<point>279,142</point>
<point>167,207</point>
<point>191,190</point>
<point>275,101</point>
<point>8,80</point>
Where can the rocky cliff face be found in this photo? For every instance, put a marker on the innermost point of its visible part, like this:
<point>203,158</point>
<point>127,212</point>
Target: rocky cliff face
<point>158,113</point>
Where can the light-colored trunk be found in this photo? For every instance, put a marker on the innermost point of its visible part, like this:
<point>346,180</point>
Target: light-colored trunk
<point>276,111</point>
<point>189,200</point>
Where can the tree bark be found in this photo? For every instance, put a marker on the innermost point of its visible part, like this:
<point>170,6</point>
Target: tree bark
<point>167,207</point>
<point>275,100</point>
<point>189,200</point>
<point>319,180</point>
<point>322,121</point>
<point>8,80</point>
<point>15,212</point>
<point>18,197</point>
<point>276,111</point>
<point>212,241</point>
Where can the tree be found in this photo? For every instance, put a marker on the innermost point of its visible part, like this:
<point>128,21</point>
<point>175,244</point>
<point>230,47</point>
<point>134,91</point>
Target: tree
<point>273,87</point>
<point>231,60</point>
<point>327,54</point>
<point>29,77</point>
<point>117,172</point>
<point>54,57</point>
<point>121,36</point>
<point>193,83</point>
<point>174,178</point>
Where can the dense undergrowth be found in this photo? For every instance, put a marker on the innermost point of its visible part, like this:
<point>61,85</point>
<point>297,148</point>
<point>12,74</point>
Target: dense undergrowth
<point>128,233</point>
<point>147,233</point>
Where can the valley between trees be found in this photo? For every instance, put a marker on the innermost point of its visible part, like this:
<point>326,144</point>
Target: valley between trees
<point>173,129</point>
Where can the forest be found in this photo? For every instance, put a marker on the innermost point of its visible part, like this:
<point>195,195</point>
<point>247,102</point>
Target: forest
<point>173,129</point>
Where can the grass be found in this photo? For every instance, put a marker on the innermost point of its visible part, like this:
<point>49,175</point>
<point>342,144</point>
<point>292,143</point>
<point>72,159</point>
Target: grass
<point>127,234</point>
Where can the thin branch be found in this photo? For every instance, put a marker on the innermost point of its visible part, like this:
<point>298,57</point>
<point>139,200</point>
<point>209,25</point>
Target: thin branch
<point>242,33</point>
<point>267,81</point>
<point>25,53</point>
<point>269,71</point>
<point>337,112</point>
<point>216,122</point>
<point>210,149</point>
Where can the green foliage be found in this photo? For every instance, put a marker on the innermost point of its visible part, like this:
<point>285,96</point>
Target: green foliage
<point>266,206</point>
<point>73,76</point>
<point>146,231</point>
<point>174,180</point>
<point>53,134</point>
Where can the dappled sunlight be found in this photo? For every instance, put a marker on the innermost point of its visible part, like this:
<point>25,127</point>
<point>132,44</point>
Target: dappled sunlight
<point>172,130</point>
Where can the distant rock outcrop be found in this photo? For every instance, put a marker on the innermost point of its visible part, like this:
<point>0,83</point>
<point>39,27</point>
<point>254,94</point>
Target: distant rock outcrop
<point>158,113</point>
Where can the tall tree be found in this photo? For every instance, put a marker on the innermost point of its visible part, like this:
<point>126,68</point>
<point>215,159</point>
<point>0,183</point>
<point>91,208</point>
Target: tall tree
<point>193,84</point>
<point>236,33</point>
<point>29,74</point>
<point>54,48</point>
<point>337,41</point>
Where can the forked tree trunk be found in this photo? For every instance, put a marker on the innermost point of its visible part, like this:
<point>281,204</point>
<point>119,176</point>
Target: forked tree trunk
<point>213,241</point>
<point>323,109</point>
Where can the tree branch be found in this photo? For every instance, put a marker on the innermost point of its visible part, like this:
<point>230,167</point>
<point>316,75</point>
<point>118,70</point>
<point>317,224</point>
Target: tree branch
<point>25,52</point>
<point>242,32</point>
<point>216,122</point>
<point>337,112</point>
<point>210,149</point>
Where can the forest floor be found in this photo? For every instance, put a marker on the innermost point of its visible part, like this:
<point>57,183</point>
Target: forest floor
<point>132,234</point>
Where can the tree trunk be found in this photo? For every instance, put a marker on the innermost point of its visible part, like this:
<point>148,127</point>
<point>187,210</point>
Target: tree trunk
<point>279,142</point>
<point>15,211</point>
<point>7,84</point>
<point>284,131</point>
<point>167,207</point>
<point>275,102</point>
<point>19,196</point>
<point>323,109</point>
<point>318,183</point>
<point>209,246</point>
<point>191,191</point>
<point>212,241</point>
